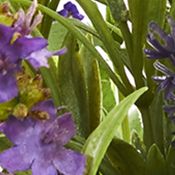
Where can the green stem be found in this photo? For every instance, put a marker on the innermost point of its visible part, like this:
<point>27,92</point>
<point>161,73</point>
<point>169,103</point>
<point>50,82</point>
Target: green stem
<point>148,131</point>
<point>47,21</point>
<point>43,2</point>
<point>83,39</point>
<point>127,38</point>
<point>50,81</point>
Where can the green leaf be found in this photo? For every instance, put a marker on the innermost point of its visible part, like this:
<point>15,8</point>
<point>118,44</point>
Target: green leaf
<point>126,158</point>
<point>51,83</point>
<point>47,20</point>
<point>118,10</point>
<point>108,94</point>
<point>5,143</point>
<point>157,120</point>
<point>56,36</point>
<point>72,86</point>
<point>107,39</point>
<point>93,83</point>
<point>98,142</point>
<point>135,122</point>
<point>108,168</point>
<point>155,161</point>
<point>6,109</point>
<point>170,161</point>
<point>24,173</point>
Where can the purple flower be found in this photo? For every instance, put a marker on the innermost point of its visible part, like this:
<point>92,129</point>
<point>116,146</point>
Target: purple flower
<point>11,55</point>
<point>39,145</point>
<point>165,46</point>
<point>70,9</point>
<point>13,49</point>
<point>166,82</point>
<point>27,22</point>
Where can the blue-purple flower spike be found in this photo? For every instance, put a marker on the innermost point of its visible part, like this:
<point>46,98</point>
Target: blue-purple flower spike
<point>164,49</point>
<point>39,145</point>
<point>70,9</point>
<point>166,82</point>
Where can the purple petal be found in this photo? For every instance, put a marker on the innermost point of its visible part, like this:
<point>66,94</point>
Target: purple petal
<point>43,167</point>
<point>64,13</point>
<point>30,13</point>
<point>68,5</point>
<point>40,58</point>
<point>73,9</point>
<point>78,16</point>
<point>1,127</point>
<point>17,130</point>
<point>156,28</point>
<point>159,79</point>
<point>168,40</point>
<point>25,46</point>
<point>156,45</point>
<point>6,34</point>
<point>162,68</point>
<point>69,162</point>
<point>154,54</point>
<point>46,106</point>
<point>15,159</point>
<point>60,131</point>
<point>18,25</point>
<point>8,87</point>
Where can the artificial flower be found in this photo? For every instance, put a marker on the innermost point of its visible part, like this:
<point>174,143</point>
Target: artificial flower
<point>39,144</point>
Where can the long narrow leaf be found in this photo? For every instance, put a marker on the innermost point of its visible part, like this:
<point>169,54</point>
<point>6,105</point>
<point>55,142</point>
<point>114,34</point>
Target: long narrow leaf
<point>98,142</point>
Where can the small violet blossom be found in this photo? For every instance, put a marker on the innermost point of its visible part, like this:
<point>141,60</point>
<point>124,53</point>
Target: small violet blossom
<point>16,46</point>
<point>70,9</point>
<point>166,82</point>
<point>39,145</point>
<point>164,49</point>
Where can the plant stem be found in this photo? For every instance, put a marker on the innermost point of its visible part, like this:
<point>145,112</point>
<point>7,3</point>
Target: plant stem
<point>148,131</point>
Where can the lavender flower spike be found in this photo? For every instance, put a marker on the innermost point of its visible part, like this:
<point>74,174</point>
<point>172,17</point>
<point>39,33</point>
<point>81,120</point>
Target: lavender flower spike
<point>159,50</point>
<point>70,9</point>
<point>39,145</point>
<point>166,82</point>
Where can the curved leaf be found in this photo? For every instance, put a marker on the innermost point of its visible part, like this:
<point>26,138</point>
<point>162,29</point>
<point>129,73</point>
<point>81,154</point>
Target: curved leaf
<point>98,142</point>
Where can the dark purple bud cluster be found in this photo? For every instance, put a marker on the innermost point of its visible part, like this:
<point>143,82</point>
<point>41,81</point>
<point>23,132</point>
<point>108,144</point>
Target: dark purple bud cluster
<point>70,9</point>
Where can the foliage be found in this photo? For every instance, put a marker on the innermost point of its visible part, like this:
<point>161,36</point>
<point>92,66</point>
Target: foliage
<point>99,91</point>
